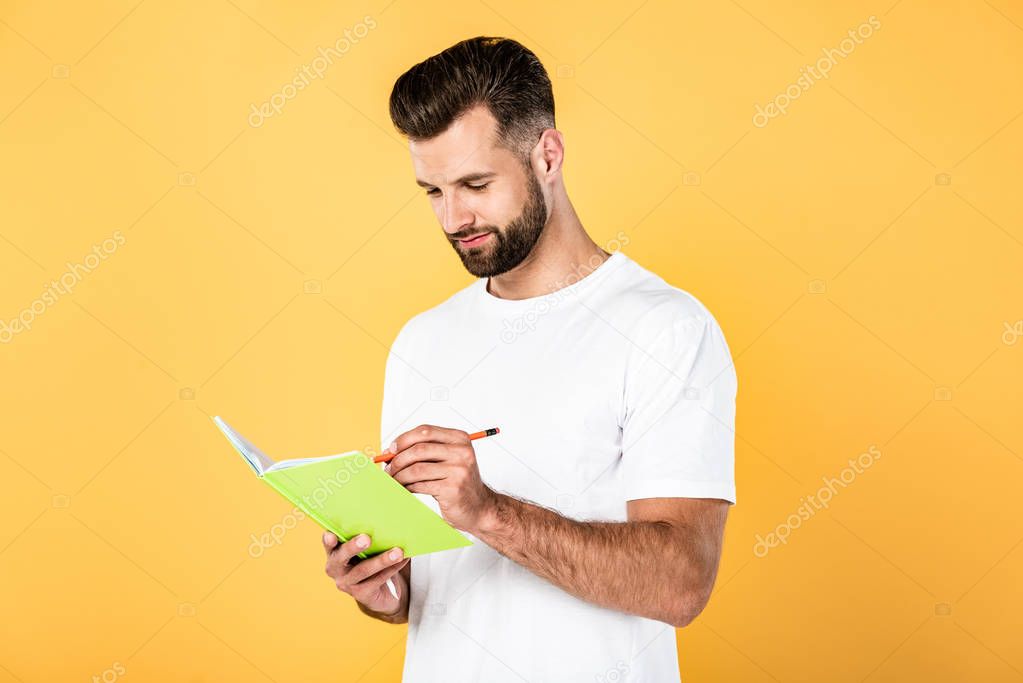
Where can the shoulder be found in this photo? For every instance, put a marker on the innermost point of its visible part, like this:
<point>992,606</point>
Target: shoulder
<point>654,307</point>
<point>673,332</point>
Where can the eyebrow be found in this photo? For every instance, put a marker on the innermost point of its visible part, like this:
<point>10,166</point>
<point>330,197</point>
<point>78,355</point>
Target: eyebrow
<point>468,178</point>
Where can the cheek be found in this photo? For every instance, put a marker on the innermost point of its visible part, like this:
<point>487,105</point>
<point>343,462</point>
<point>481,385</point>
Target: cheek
<point>495,208</point>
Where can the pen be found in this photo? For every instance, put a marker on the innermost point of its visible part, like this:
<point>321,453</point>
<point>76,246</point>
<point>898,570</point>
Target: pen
<point>386,457</point>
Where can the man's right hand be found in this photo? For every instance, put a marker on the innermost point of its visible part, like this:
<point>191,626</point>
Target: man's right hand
<point>366,580</point>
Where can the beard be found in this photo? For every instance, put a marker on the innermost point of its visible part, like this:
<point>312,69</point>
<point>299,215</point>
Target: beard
<point>508,247</point>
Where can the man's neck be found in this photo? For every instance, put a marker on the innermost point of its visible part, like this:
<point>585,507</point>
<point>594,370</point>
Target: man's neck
<point>564,254</point>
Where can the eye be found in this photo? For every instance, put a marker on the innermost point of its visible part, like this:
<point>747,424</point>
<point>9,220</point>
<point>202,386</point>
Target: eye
<point>478,188</point>
<point>433,192</point>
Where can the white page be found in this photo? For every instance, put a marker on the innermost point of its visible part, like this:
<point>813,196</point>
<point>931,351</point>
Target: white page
<point>256,458</point>
<point>295,462</point>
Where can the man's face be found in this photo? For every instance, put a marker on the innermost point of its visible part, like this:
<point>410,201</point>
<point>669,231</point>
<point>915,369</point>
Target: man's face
<point>491,207</point>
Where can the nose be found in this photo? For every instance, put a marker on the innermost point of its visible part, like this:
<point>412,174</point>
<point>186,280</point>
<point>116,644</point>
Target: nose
<point>456,215</point>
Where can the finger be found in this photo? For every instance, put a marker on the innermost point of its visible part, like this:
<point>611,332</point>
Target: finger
<point>368,568</point>
<point>381,577</point>
<point>342,554</point>
<point>420,452</point>
<point>429,433</point>
<point>371,585</point>
<point>329,542</point>
<point>422,471</point>
<point>431,488</point>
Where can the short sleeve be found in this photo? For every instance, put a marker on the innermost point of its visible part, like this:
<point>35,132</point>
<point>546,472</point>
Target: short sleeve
<point>395,381</point>
<point>678,423</point>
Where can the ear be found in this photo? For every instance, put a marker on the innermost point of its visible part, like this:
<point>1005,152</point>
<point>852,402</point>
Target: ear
<point>548,154</point>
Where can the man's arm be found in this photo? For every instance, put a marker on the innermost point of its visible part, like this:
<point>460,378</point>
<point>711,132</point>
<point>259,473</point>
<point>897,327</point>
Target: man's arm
<point>660,564</point>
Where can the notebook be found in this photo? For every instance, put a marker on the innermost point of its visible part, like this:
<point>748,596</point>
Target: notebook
<point>349,494</point>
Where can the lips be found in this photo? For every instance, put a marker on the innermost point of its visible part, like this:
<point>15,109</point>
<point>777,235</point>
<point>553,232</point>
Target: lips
<point>475,240</point>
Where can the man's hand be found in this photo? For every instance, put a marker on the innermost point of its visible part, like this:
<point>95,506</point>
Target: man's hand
<point>365,580</point>
<point>442,463</point>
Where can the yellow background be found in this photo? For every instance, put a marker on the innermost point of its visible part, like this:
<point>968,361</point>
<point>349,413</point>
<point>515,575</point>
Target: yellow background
<point>862,253</point>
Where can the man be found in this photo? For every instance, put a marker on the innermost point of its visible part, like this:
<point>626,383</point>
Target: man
<point>597,513</point>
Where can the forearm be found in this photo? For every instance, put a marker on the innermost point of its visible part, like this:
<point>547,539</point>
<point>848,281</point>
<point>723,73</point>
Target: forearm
<point>654,569</point>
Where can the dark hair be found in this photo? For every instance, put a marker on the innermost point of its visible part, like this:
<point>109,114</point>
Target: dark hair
<point>499,73</point>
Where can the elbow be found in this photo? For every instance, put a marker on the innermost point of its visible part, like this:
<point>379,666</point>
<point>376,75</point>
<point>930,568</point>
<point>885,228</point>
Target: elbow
<point>682,619</point>
<point>688,605</point>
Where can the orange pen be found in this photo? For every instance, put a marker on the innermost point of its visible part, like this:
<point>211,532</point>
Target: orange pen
<point>386,457</point>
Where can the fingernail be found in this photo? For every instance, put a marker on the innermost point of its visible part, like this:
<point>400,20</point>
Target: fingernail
<point>396,554</point>
<point>362,541</point>
<point>393,447</point>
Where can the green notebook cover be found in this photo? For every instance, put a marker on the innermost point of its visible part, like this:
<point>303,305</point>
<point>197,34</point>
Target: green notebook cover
<point>349,494</point>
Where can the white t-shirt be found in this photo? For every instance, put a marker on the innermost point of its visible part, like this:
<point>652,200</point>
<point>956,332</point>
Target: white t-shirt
<point>615,387</point>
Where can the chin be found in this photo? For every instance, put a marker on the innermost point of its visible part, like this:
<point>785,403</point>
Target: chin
<point>479,269</point>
